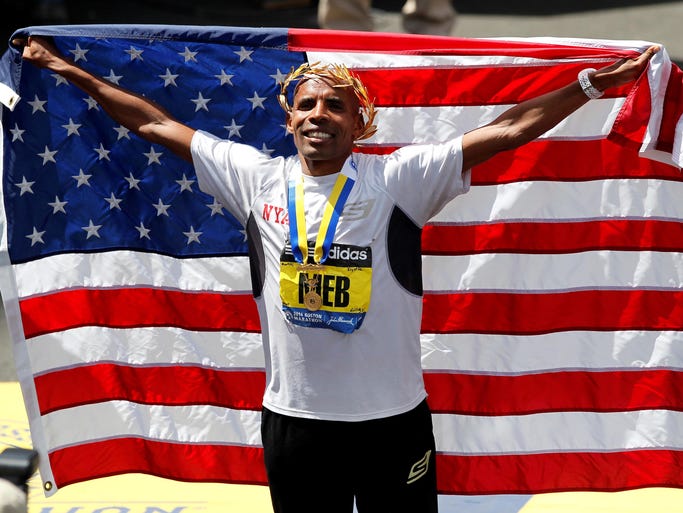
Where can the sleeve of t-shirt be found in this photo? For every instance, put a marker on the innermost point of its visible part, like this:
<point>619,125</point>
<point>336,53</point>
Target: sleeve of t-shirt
<point>422,179</point>
<point>230,172</point>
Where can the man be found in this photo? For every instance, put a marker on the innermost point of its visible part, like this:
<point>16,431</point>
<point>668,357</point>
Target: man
<point>339,288</point>
<point>434,17</point>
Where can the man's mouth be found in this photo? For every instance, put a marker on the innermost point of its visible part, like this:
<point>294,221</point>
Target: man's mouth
<point>318,134</point>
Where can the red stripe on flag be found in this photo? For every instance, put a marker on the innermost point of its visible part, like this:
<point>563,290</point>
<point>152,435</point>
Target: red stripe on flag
<point>538,237</point>
<point>168,385</point>
<point>590,160</point>
<point>420,87</point>
<point>303,40</point>
<point>607,391</point>
<point>556,472</point>
<point>137,307</point>
<point>173,460</point>
<point>533,314</point>
<point>517,313</point>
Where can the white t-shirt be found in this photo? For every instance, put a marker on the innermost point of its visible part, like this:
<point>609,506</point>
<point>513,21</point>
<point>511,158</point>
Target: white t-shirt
<point>320,373</point>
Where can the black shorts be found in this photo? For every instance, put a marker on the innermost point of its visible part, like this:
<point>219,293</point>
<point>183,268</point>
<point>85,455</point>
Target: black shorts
<point>388,464</point>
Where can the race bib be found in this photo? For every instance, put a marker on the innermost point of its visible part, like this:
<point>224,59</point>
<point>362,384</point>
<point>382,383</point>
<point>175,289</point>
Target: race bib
<point>334,295</point>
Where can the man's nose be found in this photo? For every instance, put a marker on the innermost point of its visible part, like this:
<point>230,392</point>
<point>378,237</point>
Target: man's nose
<point>319,111</point>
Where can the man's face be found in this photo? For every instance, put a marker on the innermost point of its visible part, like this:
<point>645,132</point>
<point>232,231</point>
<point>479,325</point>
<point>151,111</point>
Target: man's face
<point>325,122</point>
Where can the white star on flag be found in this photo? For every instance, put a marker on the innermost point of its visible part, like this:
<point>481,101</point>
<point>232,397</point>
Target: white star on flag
<point>113,78</point>
<point>48,155</point>
<point>279,77</point>
<point>59,79</point>
<point>233,129</point>
<point>36,237</point>
<point>162,209</point>
<point>81,178</point>
<point>24,186</point>
<point>188,55</point>
<point>216,208</point>
<point>58,205</point>
<point>185,184</point>
<point>132,181</point>
<point>244,54</point>
<point>169,78</point>
<point>113,202</point>
<point>257,101</point>
<point>16,133</point>
<point>143,231</point>
<point>224,78</point>
<point>192,236</point>
<point>79,53</point>
<point>37,104</point>
<point>266,150</point>
<point>92,103</point>
<point>134,53</point>
<point>72,128</point>
<point>102,152</point>
<point>122,132</point>
<point>92,230</point>
<point>200,103</point>
<point>153,156</point>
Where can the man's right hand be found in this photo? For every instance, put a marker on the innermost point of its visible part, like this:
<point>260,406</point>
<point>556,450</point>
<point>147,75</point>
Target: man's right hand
<point>39,51</point>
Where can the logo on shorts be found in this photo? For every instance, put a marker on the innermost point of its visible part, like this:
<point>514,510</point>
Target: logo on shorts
<point>420,468</point>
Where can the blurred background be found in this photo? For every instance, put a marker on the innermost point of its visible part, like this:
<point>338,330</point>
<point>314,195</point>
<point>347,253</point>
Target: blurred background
<point>650,20</point>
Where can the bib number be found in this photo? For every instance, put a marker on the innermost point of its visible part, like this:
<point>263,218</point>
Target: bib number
<point>335,295</point>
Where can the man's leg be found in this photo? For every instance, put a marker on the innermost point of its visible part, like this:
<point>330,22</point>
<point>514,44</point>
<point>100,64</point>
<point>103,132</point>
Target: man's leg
<point>433,17</point>
<point>305,465</point>
<point>399,474</point>
<point>344,14</point>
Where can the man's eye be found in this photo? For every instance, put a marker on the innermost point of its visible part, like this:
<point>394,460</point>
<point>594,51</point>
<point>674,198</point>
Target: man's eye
<point>304,105</point>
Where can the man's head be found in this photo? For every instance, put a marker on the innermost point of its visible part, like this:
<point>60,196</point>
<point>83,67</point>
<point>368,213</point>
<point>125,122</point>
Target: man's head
<point>329,111</point>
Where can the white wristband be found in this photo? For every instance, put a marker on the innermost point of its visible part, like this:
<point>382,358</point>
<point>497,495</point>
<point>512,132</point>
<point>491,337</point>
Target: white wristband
<point>586,85</point>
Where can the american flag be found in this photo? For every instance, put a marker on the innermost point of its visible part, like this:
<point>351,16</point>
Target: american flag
<point>552,336</point>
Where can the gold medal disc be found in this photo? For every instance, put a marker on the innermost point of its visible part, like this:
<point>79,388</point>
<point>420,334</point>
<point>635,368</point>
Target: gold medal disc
<point>313,301</point>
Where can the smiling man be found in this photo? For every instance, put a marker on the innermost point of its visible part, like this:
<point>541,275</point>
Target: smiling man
<point>338,281</point>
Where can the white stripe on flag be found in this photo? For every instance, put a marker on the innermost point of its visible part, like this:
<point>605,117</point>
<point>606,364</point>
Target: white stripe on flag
<point>145,346</point>
<point>403,125</point>
<point>559,432</point>
<point>552,352</point>
<point>201,424</point>
<point>134,268</point>
<point>596,199</point>
<point>363,60</point>
<point>456,434</point>
<point>590,270</point>
<point>468,353</point>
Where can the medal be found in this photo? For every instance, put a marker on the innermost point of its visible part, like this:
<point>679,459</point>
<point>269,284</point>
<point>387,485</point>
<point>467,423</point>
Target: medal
<point>312,300</point>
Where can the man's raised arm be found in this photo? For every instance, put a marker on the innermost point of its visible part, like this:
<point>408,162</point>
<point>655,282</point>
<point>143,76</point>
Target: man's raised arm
<point>530,119</point>
<point>135,112</point>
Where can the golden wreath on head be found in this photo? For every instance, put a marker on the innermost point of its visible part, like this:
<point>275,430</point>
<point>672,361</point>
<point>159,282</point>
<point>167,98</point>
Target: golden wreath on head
<point>339,76</point>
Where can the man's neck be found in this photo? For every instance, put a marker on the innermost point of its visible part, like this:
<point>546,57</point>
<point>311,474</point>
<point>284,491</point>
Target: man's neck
<point>321,167</point>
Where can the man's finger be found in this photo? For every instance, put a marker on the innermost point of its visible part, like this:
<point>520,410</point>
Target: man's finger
<point>647,54</point>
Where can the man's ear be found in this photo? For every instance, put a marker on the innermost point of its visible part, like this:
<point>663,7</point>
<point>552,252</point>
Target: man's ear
<point>360,125</point>
<point>288,123</point>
